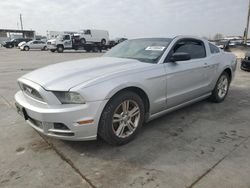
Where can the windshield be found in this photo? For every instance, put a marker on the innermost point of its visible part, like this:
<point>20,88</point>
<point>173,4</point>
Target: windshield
<point>145,50</point>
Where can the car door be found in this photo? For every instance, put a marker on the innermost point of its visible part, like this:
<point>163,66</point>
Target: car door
<point>32,45</point>
<point>40,44</point>
<point>186,80</point>
<point>67,42</point>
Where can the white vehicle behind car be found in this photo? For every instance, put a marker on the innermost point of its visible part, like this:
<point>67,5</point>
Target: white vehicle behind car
<point>34,44</point>
<point>94,35</point>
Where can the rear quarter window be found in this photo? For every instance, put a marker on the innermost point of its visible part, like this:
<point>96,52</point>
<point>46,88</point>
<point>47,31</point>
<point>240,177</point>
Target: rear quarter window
<point>214,49</point>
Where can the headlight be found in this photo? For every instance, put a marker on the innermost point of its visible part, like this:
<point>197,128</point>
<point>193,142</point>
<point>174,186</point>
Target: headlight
<point>67,97</point>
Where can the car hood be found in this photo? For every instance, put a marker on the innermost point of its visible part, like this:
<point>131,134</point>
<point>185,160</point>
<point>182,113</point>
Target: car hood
<point>64,76</point>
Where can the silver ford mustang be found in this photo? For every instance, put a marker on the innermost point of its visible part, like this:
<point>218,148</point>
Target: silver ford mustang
<point>136,81</point>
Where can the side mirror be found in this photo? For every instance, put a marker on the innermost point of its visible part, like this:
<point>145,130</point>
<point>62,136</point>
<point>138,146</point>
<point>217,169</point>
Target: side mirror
<point>180,56</point>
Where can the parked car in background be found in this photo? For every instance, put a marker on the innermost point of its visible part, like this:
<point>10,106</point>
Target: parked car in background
<point>20,44</point>
<point>245,63</point>
<point>136,81</point>
<point>222,44</point>
<point>15,42</point>
<point>116,41</point>
<point>235,42</point>
<point>34,44</point>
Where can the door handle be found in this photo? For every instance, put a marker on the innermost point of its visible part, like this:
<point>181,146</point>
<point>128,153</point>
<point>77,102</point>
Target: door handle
<point>206,65</point>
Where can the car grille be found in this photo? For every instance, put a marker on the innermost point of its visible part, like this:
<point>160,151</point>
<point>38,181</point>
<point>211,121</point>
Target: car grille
<point>31,92</point>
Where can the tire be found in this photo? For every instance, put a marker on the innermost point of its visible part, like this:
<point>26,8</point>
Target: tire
<point>103,42</point>
<point>96,49</point>
<point>87,48</point>
<point>83,41</point>
<point>121,132</point>
<point>45,48</point>
<point>60,49</point>
<point>52,50</point>
<point>26,48</point>
<point>10,46</point>
<point>221,88</point>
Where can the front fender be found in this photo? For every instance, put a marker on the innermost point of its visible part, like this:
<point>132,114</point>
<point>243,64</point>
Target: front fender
<point>103,91</point>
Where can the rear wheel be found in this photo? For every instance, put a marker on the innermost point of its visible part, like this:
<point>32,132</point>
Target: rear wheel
<point>221,88</point>
<point>122,118</point>
<point>83,41</point>
<point>103,41</point>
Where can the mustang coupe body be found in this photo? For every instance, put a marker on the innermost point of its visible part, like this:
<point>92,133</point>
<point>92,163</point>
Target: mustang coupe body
<point>136,81</point>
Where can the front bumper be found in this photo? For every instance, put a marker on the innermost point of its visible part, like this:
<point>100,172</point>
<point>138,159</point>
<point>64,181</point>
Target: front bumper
<point>60,121</point>
<point>51,46</point>
<point>245,65</point>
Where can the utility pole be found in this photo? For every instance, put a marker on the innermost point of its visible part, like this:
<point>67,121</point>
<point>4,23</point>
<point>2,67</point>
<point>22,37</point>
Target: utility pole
<point>246,30</point>
<point>21,21</point>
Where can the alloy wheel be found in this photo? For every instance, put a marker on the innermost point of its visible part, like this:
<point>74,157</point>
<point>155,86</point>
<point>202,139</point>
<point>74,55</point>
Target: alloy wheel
<point>222,86</point>
<point>126,118</point>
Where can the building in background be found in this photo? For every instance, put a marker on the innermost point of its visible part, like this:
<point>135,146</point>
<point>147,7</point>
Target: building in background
<point>8,34</point>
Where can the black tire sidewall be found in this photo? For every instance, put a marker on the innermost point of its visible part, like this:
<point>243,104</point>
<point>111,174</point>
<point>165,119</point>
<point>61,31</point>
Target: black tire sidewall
<point>26,48</point>
<point>103,41</point>
<point>83,41</point>
<point>60,49</point>
<point>105,129</point>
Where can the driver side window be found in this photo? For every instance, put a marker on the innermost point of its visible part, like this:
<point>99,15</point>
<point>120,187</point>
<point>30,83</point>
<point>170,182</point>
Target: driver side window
<point>66,37</point>
<point>194,48</point>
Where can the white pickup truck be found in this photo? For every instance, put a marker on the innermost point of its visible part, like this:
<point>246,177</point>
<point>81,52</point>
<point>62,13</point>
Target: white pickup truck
<point>86,39</point>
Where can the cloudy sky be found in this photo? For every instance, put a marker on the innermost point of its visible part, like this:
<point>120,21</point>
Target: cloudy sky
<point>129,18</point>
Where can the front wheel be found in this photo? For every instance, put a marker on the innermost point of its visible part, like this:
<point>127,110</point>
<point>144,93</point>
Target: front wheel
<point>26,48</point>
<point>122,118</point>
<point>221,88</point>
<point>60,49</point>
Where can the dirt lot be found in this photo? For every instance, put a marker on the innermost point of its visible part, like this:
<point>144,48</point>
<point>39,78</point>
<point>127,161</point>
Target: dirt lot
<point>204,145</point>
